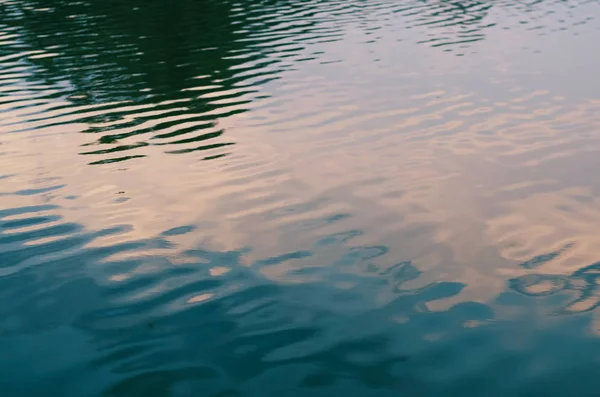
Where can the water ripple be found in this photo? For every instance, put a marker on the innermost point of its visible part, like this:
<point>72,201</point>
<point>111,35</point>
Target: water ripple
<point>231,198</point>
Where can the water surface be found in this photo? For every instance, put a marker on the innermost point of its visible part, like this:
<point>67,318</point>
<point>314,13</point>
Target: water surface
<point>299,198</point>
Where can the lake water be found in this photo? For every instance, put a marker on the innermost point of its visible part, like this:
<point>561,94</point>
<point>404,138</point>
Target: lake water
<point>299,198</point>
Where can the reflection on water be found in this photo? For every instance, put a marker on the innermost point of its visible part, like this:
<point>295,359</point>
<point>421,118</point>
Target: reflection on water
<point>292,198</point>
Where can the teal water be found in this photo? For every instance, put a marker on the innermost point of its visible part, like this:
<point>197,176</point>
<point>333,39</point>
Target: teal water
<point>299,198</point>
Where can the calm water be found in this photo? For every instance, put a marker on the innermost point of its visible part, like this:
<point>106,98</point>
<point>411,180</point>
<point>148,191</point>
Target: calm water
<point>299,198</point>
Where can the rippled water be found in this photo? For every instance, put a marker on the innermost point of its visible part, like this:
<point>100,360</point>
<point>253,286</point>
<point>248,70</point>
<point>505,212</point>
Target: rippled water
<point>299,198</point>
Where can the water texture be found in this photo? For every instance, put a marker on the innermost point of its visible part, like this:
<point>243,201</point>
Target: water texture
<point>299,198</point>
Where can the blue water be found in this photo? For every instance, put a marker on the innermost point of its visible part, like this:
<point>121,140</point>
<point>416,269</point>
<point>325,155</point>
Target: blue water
<point>299,198</point>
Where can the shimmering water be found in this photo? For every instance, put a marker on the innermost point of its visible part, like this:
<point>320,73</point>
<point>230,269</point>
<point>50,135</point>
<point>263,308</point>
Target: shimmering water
<point>299,198</point>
